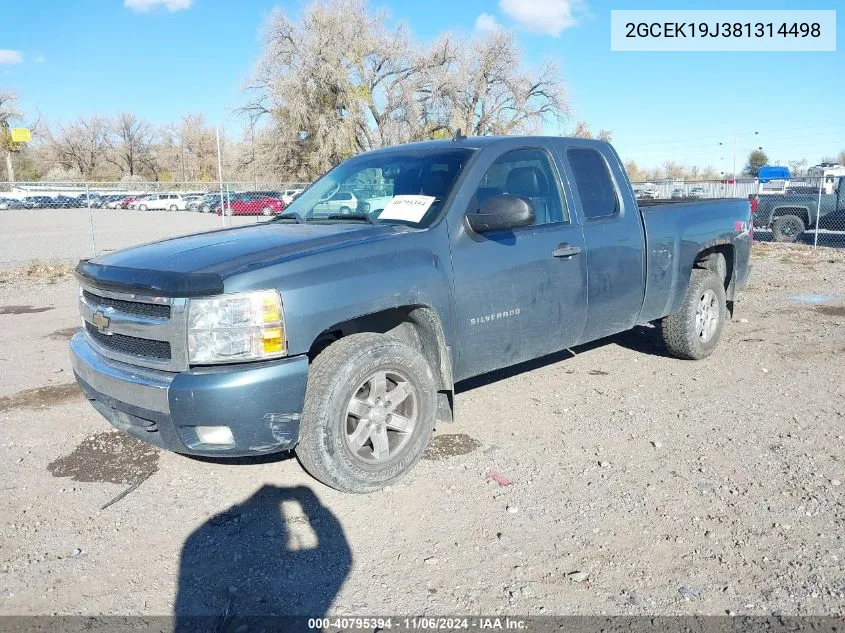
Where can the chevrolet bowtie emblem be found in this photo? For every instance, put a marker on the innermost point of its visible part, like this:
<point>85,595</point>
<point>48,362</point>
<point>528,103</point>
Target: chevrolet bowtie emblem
<point>100,321</point>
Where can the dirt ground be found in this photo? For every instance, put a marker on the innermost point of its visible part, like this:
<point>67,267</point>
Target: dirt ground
<point>639,484</point>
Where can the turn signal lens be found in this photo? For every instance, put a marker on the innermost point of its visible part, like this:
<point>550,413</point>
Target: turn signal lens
<point>236,328</point>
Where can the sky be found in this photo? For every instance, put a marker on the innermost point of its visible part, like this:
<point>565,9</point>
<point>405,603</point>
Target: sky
<point>163,58</point>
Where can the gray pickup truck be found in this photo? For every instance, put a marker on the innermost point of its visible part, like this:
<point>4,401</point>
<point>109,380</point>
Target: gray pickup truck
<point>340,335</point>
<point>789,214</point>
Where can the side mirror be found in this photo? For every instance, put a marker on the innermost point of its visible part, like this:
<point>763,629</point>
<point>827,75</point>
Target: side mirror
<point>501,213</point>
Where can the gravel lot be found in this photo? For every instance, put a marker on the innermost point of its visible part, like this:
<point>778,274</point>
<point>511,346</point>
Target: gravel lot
<point>65,234</point>
<point>670,487</point>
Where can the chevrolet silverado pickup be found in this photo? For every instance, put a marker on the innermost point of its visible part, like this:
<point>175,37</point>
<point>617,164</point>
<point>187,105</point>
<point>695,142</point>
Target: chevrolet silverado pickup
<point>340,335</point>
<point>789,214</point>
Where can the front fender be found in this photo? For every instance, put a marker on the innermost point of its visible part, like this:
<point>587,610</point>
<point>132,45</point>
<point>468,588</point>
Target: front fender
<point>320,290</point>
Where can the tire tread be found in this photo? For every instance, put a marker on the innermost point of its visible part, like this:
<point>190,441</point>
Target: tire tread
<point>678,329</point>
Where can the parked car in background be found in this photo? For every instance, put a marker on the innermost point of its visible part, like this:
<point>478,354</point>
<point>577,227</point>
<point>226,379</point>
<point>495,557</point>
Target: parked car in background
<point>193,201</point>
<point>128,200</point>
<point>678,193</point>
<point>211,201</point>
<point>7,203</point>
<point>104,201</point>
<point>66,202</point>
<point>788,215</point>
<point>39,202</point>
<point>645,194</point>
<point>697,192</point>
<point>288,195</point>
<point>252,203</point>
<point>338,202</point>
<point>159,202</point>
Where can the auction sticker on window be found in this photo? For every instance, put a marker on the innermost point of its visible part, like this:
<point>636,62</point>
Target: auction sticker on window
<point>407,208</point>
<point>722,30</point>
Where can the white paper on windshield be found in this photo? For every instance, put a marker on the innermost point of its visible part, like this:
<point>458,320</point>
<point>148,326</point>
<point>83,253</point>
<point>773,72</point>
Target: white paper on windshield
<point>407,208</point>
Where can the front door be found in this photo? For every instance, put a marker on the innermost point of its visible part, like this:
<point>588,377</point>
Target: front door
<point>521,293</point>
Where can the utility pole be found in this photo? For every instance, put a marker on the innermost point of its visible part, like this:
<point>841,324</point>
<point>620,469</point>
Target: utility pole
<point>735,141</point>
<point>10,168</point>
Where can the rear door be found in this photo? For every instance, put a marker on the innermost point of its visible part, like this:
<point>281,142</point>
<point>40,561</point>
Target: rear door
<point>613,236</point>
<point>520,294</point>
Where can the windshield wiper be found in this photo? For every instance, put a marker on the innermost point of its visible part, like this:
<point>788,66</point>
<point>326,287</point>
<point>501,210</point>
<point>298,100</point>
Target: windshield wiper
<point>362,217</point>
<point>290,215</point>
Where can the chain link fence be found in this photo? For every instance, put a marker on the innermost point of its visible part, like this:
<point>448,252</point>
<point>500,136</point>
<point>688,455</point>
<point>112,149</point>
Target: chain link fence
<point>71,220</point>
<point>809,210</point>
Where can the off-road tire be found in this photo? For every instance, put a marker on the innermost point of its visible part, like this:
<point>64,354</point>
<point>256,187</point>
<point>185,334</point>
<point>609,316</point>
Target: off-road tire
<point>787,228</point>
<point>679,330</point>
<point>332,379</point>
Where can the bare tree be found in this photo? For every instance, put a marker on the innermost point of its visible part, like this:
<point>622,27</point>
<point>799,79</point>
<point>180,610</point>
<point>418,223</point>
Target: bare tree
<point>673,170</point>
<point>582,130</point>
<point>8,112</point>
<point>130,141</point>
<point>338,81</point>
<point>635,173</point>
<point>81,145</point>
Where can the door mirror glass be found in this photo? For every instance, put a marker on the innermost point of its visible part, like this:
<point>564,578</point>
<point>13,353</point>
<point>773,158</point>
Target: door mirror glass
<point>501,213</point>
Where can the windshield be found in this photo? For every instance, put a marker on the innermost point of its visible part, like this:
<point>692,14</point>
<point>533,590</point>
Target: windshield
<point>391,187</point>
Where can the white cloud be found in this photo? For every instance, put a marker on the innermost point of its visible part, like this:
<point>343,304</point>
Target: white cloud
<point>550,17</point>
<point>486,23</point>
<point>40,59</point>
<point>143,6</point>
<point>10,57</point>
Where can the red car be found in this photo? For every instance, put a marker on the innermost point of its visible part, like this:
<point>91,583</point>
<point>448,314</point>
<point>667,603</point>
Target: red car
<point>124,204</point>
<point>252,204</point>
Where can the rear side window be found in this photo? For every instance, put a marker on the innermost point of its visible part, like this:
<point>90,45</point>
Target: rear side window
<point>593,181</point>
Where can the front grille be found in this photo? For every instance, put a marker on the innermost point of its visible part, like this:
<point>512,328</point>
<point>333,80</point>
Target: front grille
<point>140,347</point>
<point>135,308</point>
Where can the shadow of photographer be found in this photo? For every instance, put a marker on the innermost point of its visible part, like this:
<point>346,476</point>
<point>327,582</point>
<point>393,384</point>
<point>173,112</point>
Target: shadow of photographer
<point>280,553</point>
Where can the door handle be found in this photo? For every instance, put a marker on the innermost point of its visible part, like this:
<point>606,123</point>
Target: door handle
<point>565,251</point>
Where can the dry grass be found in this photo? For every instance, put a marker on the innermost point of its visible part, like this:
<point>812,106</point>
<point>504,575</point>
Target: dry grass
<point>38,272</point>
<point>797,253</point>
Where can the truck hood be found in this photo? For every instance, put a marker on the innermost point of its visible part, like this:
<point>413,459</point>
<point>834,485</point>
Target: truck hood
<point>197,264</point>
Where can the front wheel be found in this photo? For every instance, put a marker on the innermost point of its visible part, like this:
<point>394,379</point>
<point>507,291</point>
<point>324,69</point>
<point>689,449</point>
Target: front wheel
<point>173,207</point>
<point>787,228</point>
<point>267,211</point>
<point>369,412</point>
<point>142,207</point>
<point>693,332</point>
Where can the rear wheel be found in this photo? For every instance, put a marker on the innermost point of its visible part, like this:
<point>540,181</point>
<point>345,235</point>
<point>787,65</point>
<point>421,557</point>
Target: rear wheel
<point>694,331</point>
<point>267,211</point>
<point>173,207</point>
<point>369,412</point>
<point>787,228</point>
<point>345,210</point>
<point>142,207</point>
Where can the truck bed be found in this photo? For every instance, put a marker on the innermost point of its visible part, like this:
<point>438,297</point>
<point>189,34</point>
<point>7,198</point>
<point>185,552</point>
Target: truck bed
<point>676,232</point>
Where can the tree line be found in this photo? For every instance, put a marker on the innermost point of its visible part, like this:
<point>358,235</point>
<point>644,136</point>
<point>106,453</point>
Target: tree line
<point>331,82</point>
<point>334,82</point>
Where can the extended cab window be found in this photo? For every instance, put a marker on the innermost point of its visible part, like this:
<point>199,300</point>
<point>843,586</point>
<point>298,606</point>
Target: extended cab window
<point>593,181</point>
<point>527,173</point>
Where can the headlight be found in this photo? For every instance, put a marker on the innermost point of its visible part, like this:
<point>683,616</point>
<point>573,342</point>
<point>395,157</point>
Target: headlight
<point>236,327</point>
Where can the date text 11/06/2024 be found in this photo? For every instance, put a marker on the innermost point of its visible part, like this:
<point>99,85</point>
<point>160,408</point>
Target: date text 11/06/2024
<point>419,623</point>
